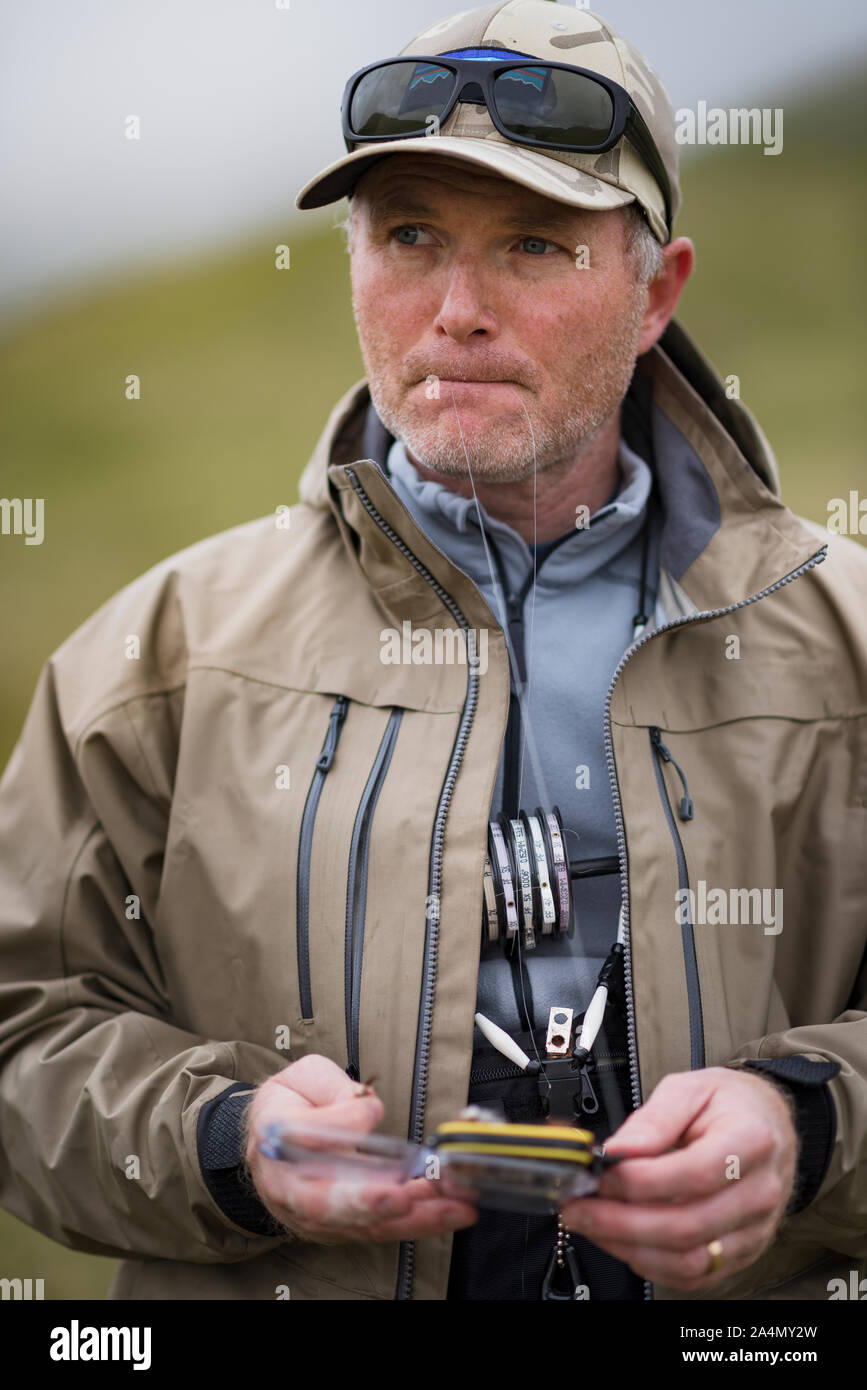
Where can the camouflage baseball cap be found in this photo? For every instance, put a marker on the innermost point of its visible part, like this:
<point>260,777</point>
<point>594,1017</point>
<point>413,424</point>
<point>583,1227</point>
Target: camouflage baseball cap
<point>562,34</point>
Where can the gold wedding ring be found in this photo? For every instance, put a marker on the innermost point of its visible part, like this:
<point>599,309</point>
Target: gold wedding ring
<point>715,1251</point>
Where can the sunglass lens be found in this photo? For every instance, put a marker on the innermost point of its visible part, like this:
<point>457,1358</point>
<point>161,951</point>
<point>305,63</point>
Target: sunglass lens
<point>564,108</point>
<point>398,99</point>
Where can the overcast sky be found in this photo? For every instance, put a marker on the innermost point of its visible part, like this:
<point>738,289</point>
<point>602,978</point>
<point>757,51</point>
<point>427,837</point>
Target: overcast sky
<point>238,102</point>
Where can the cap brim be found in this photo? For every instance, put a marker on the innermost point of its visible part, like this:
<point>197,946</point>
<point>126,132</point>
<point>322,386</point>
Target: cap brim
<point>535,170</point>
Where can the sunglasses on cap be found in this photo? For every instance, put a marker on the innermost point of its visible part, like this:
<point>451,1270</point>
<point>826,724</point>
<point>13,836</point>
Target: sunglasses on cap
<point>546,106</point>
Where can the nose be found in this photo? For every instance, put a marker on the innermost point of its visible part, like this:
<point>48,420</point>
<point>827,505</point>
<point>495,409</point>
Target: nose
<point>465,310</point>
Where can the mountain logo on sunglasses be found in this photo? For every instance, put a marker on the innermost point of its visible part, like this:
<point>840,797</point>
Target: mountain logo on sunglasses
<point>426,72</point>
<point>427,75</point>
<point>533,77</point>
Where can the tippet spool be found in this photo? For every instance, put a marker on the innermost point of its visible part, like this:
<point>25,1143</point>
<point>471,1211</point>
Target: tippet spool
<point>527,883</point>
<point>552,830</point>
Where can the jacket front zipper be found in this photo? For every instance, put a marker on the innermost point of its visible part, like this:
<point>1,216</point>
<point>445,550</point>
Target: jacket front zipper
<point>421,1064</point>
<point>422,1060</point>
<point>356,889</point>
<point>693,991</point>
<point>510,1071</point>
<point>305,844</point>
<point>647,636</point>
<point>514,611</point>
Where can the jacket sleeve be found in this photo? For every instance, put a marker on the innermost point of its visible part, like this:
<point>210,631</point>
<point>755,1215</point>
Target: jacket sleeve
<point>814,1116</point>
<point>829,1204</point>
<point>220,1140</point>
<point>100,1087</point>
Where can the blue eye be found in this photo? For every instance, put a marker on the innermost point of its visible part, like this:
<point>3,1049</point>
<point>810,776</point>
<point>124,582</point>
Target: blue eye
<point>409,234</point>
<point>537,242</point>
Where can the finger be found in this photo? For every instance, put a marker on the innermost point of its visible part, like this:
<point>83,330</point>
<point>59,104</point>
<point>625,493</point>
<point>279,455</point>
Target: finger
<point>674,1104</point>
<point>427,1219</point>
<point>427,1190</point>
<point>727,1153</point>
<point>689,1271</point>
<point>318,1200</point>
<point>317,1080</point>
<point>314,1203</point>
<point>329,1213</point>
<point>279,1105</point>
<point>678,1226</point>
<point>357,1113</point>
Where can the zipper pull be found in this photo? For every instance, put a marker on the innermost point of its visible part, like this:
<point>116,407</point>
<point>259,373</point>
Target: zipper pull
<point>329,747</point>
<point>515,616</point>
<point>564,1281</point>
<point>589,1101</point>
<point>686,810</point>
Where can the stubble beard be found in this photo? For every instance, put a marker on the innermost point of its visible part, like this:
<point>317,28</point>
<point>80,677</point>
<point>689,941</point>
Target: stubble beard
<point>507,448</point>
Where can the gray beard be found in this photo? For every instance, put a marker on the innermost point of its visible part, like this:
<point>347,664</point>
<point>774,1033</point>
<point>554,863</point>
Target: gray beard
<point>502,455</point>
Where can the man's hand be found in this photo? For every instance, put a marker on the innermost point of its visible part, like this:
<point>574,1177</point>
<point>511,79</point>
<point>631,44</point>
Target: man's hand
<point>325,1210</point>
<point>675,1190</point>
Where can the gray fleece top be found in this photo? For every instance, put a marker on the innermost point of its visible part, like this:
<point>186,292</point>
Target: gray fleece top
<point>577,621</point>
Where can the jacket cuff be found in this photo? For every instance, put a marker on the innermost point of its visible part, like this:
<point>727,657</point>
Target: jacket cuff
<point>806,1083</point>
<point>220,1143</point>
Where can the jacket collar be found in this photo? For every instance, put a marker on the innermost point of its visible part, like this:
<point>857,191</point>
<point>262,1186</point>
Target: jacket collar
<point>726,535</point>
<point>453,522</point>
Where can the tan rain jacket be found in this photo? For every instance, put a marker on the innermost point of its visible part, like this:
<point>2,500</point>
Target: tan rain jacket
<point>177,871</point>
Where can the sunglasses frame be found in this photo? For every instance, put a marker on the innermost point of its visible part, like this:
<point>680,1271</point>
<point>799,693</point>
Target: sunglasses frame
<point>627,119</point>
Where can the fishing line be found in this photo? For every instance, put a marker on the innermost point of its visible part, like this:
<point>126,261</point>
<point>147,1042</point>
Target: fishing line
<point>570,831</point>
<point>535,872</point>
<point>521,940</point>
<point>522,690</point>
<point>532,602</point>
<point>501,598</point>
<point>527,882</point>
<point>528,853</point>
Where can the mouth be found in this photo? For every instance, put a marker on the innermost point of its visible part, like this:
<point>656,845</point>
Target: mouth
<point>470,383</point>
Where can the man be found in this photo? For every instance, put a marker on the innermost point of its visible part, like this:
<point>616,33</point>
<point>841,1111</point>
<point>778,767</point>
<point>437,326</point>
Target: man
<point>265,829</point>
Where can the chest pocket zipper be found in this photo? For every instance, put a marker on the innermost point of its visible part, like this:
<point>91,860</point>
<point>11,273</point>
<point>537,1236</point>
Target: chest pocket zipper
<point>356,888</point>
<point>686,812</point>
<point>305,843</point>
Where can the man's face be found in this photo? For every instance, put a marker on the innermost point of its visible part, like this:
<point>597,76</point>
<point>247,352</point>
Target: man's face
<point>472,279</point>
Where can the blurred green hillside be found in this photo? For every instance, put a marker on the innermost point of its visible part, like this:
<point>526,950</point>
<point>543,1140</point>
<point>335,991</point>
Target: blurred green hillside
<point>240,364</point>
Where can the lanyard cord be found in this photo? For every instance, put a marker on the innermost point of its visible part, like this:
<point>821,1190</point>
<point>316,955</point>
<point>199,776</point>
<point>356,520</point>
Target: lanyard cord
<point>642,617</point>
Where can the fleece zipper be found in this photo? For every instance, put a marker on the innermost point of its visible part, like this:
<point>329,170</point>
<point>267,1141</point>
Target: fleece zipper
<point>356,889</point>
<point>305,844</point>
<point>514,606</point>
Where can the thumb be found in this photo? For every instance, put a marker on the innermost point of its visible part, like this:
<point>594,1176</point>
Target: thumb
<point>318,1129</point>
<point>359,1112</point>
<point>362,1113</point>
<point>659,1124</point>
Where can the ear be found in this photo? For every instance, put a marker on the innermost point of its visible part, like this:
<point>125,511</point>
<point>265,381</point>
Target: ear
<point>664,292</point>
